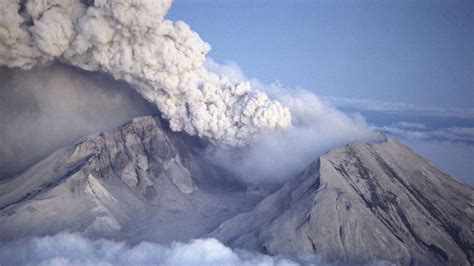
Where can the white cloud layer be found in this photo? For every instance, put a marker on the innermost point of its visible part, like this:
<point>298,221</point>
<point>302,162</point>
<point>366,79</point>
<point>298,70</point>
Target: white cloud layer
<point>398,107</point>
<point>74,249</point>
<point>131,40</point>
<point>419,131</point>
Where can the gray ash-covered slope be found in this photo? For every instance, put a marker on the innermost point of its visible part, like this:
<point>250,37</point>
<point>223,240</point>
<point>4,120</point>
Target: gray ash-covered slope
<point>361,203</point>
<point>140,182</point>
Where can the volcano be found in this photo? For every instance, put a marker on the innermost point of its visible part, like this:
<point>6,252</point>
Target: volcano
<point>143,182</point>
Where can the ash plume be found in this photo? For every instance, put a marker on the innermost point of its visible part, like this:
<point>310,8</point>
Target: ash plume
<point>131,40</point>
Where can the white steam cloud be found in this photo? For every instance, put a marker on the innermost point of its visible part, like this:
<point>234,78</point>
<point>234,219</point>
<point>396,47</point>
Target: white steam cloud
<point>131,40</point>
<point>73,249</point>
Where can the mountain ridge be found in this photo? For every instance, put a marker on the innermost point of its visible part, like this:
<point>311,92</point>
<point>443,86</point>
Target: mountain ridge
<point>110,180</point>
<point>142,182</point>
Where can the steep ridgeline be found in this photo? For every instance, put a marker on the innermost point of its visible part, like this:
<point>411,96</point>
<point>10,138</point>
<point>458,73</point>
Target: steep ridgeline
<point>140,182</point>
<point>361,203</point>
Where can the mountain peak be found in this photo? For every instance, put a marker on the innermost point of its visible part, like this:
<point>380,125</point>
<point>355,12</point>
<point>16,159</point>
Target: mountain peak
<point>112,184</point>
<point>360,203</point>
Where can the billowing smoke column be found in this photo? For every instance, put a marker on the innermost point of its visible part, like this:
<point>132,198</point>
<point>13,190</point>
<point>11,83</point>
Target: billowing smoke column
<point>131,40</point>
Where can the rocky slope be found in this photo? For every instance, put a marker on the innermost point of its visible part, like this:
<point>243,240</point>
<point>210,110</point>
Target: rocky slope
<point>361,203</point>
<point>355,204</point>
<point>140,182</point>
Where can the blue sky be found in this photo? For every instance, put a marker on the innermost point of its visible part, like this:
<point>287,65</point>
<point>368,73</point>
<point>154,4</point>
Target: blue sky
<point>417,52</point>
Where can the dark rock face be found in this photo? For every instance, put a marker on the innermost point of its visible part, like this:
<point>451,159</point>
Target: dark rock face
<point>362,203</point>
<point>142,182</point>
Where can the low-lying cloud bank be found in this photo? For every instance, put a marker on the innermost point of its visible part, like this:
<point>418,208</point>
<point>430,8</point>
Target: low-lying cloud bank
<point>74,249</point>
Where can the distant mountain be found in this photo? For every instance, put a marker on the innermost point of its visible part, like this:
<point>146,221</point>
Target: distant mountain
<point>355,204</point>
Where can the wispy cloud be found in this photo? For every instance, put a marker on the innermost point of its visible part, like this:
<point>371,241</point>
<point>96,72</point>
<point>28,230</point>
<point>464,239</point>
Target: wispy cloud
<point>419,131</point>
<point>410,125</point>
<point>398,107</point>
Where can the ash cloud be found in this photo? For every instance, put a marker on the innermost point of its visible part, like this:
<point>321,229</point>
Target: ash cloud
<point>274,158</point>
<point>44,109</point>
<point>165,63</point>
<point>132,41</point>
